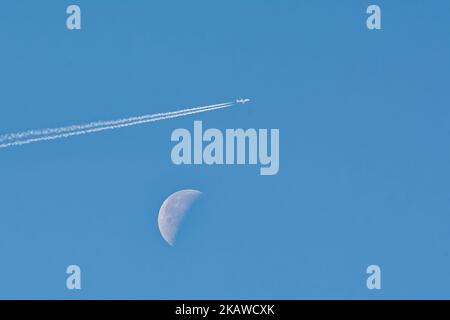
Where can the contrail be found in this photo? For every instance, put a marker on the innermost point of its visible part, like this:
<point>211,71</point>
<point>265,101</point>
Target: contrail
<point>65,132</point>
<point>48,131</point>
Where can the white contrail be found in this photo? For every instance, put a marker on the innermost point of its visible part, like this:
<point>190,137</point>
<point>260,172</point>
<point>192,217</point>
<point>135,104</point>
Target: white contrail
<point>118,124</point>
<point>49,131</point>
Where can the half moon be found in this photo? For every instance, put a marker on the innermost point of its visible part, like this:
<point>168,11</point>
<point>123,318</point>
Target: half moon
<point>173,211</point>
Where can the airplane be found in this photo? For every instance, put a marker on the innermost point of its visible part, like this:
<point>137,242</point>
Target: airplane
<point>242,101</point>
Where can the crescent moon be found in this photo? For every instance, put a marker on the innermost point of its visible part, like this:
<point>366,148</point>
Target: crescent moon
<point>172,212</point>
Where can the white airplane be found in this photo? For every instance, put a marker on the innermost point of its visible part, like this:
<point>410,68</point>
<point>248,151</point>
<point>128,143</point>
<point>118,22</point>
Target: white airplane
<point>242,101</point>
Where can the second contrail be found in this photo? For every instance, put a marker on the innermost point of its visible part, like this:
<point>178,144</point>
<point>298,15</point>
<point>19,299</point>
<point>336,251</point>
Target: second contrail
<point>27,137</point>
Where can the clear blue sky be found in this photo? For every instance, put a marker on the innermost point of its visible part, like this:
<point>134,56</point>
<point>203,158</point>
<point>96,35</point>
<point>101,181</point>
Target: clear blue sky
<point>364,137</point>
